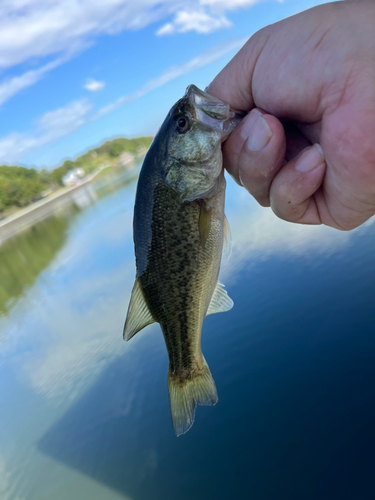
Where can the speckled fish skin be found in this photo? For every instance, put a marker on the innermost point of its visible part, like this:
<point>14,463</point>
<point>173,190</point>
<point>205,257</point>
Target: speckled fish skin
<point>178,235</point>
<point>181,274</point>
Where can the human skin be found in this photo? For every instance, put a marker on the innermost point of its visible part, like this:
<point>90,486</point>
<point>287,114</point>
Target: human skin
<point>308,79</point>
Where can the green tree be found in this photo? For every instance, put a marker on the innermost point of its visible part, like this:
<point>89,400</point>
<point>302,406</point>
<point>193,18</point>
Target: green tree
<point>58,173</point>
<point>20,186</point>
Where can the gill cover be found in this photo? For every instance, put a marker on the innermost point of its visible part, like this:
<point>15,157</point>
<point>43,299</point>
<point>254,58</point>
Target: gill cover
<point>198,124</point>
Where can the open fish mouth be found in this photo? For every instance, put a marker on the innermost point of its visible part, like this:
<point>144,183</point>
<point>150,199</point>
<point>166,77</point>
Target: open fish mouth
<point>212,112</point>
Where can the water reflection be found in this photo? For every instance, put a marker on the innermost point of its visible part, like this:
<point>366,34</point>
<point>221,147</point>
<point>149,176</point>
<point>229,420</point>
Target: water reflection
<point>86,415</point>
<point>82,198</point>
<point>259,235</point>
<point>64,331</point>
<point>23,258</point>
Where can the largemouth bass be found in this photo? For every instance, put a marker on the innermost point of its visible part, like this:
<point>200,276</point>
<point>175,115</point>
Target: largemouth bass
<point>179,229</point>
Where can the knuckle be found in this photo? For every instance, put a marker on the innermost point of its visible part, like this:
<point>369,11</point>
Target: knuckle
<point>354,147</point>
<point>284,206</point>
<point>263,201</point>
<point>291,214</point>
<point>258,171</point>
<point>259,189</point>
<point>257,175</point>
<point>281,191</point>
<point>346,225</point>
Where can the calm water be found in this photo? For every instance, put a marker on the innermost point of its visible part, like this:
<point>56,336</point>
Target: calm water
<point>84,415</point>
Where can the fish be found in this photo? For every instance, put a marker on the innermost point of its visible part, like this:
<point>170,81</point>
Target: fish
<point>179,228</point>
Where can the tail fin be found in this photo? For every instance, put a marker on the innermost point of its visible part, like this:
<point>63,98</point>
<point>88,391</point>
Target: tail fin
<point>185,395</point>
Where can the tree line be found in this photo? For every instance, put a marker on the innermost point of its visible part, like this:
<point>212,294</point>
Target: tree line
<point>20,186</point>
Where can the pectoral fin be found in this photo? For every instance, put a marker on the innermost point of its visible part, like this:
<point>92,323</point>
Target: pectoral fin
<point>220,302</point>
<point>204,223</point>
<point>227,238</point>
<point>138,315</point>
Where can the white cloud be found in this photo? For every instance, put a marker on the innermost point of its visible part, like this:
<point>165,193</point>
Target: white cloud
<point>199,21</point>
<point>11,86</point>
<point>49,127</point>
<point>94,85</point>
<point>63,121</point>
<point>228,4</point>
<point>38,28</point>
<point>174,72</point>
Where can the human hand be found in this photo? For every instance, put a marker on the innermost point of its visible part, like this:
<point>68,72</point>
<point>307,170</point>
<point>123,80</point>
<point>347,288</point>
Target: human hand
<point>308,79</point>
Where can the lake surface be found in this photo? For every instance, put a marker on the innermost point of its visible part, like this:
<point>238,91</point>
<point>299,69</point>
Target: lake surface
<point>84,415</point>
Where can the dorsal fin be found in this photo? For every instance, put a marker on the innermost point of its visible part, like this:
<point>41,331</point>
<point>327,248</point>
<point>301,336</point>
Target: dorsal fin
<point>220,302</point>
<point>139,314</point>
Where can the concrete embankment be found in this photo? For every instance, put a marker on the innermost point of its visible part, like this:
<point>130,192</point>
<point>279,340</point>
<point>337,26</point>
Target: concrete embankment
<point>23,219</point>
<point>81,195</point>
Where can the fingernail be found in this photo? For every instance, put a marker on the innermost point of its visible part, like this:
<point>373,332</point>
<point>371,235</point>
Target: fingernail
<point>311,158</point>
<point>256,131</point>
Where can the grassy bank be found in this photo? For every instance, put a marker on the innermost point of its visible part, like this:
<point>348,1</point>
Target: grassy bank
<point>20,186</point>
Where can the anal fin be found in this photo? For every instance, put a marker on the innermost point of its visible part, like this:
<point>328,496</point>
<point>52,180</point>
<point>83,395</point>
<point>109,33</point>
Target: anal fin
<point>220,302</point>
<point>139,314</point>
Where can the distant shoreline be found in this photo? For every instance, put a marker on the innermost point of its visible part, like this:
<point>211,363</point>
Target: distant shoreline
<point>41,209</point>
<point>47,199</point>
<point>26,188</point>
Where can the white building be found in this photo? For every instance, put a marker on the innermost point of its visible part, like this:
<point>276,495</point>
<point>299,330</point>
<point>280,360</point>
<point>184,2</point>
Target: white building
<point>125,160</point>
<point>73,177</point>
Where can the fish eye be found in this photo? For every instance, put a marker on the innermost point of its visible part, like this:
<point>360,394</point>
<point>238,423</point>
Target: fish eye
<point>182,124</point>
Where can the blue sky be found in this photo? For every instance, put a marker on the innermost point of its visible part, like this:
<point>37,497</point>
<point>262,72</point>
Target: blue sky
<point>75,73</point>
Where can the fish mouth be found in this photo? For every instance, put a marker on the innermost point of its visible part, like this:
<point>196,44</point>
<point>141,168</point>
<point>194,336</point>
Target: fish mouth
<point>212,112</point>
